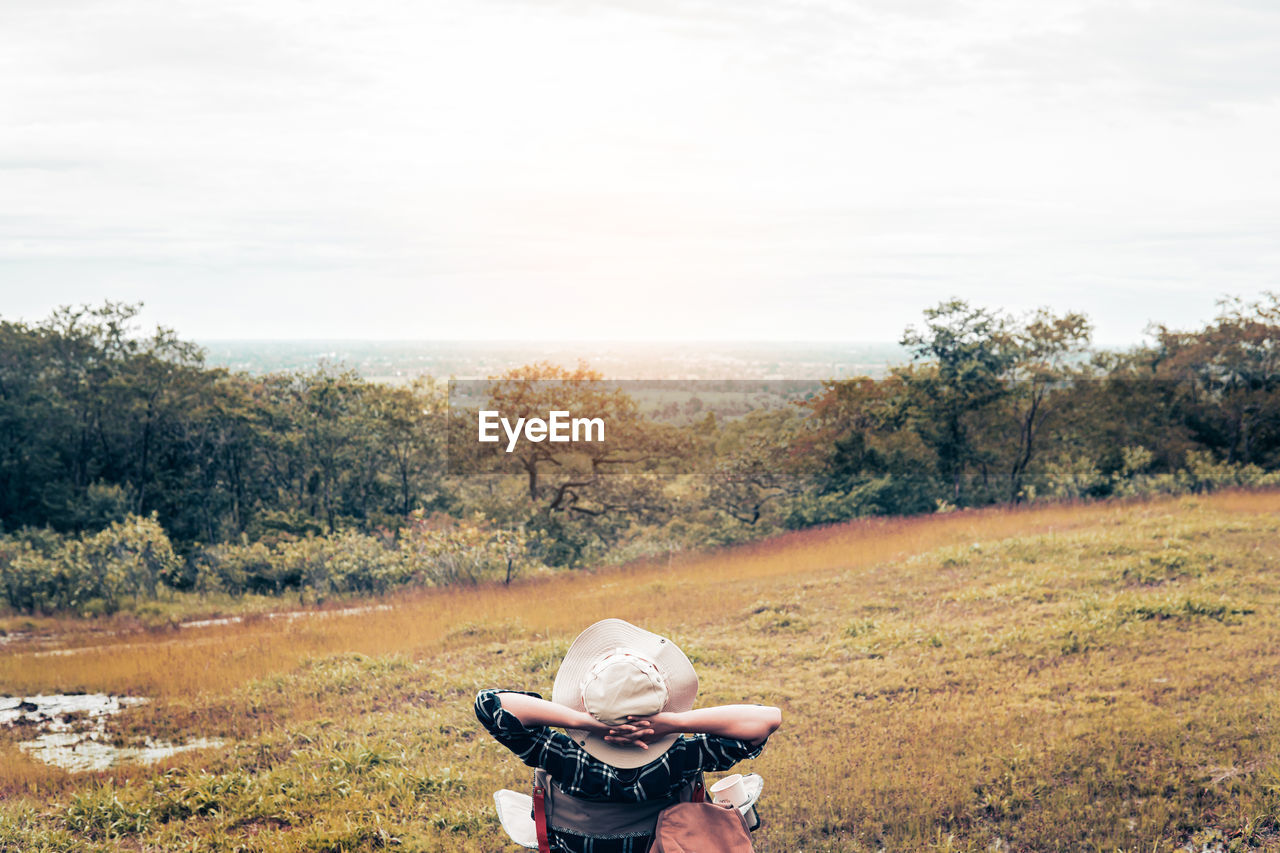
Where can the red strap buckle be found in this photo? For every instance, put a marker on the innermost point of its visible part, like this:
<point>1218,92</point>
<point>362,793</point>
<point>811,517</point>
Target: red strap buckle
<point>540,819</point>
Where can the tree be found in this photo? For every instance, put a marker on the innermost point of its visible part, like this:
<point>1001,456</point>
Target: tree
<point>410,424</point>
<point>965,354</point>
<point>1046,351</point>
<point>756,463</point>
<point>1229,378</point>
<point>862,458</point>
<point>581,493</point>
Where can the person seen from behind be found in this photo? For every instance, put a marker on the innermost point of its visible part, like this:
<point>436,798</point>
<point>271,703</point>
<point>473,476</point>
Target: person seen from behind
<point>624,697</point>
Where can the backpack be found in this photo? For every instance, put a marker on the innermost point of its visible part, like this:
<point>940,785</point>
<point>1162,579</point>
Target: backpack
<point>701,827</point>
<point>704,828</point>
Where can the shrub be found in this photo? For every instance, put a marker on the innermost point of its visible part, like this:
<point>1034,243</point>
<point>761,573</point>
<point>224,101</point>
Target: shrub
<point>341,563</point>
<point>463,552</point>
<point>30,580</point>
<point>89,572</point>
<point>240,568</point>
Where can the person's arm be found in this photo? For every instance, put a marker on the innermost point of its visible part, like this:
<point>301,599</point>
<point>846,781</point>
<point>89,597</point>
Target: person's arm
<point>532,711</point>
<point>750,723</point>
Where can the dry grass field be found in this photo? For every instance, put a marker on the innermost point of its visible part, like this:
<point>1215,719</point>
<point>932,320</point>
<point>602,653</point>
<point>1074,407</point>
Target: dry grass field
<point>1093,677</point>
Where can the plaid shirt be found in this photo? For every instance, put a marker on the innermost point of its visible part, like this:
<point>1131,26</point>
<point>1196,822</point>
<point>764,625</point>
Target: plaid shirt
<point>581,774</point>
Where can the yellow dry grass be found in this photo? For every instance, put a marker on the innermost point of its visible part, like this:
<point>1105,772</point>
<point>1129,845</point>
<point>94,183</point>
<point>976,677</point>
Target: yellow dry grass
<point>175,662</point>
<point>1074,677</point>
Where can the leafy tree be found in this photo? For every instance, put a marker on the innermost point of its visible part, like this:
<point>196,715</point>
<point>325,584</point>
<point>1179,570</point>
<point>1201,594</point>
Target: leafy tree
<point>865,460</point>
<point>1228,378</point>
<point>756,464</point>
<point>580,494</point>
<point>410,423</point>
<point>965,352</point>
<point>1046,355</point>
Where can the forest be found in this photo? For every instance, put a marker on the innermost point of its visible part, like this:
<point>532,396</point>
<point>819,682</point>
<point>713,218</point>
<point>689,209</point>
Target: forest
<point>131,470</point>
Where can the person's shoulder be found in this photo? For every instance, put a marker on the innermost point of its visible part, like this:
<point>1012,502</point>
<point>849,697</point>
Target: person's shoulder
<point>487,705</point>
<point>493,694</point>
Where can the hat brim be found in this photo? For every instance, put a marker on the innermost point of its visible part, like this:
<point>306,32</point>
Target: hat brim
<point>601,639</point>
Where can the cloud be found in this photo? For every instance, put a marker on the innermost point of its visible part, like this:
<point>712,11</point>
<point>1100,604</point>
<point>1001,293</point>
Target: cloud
<point>717,154</point>
<point>1184,56</point>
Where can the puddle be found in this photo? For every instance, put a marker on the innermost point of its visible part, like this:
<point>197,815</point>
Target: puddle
<point>289,615</point>
<point>286,615</point>
<point>205,623</point>
<point>70,731</point>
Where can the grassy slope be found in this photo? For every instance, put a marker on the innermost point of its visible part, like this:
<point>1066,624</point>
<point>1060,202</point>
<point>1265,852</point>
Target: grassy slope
<point>1094,677</point>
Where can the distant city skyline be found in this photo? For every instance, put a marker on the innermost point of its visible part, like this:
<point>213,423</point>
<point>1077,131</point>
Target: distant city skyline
<point>613,171</point>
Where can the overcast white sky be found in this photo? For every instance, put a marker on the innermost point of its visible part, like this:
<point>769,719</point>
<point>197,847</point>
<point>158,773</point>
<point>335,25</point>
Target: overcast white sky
<point>636,169</point>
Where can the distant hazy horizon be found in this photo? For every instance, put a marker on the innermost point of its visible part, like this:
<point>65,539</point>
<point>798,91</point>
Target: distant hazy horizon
<point>401,361</point>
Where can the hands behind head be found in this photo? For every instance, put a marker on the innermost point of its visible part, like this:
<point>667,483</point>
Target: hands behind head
<point>640,731</point>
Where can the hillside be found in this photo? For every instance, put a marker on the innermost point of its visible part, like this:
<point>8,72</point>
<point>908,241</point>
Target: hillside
<point>1073,677</point>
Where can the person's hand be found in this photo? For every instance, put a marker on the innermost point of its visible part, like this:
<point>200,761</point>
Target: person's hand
<point>642,731</point>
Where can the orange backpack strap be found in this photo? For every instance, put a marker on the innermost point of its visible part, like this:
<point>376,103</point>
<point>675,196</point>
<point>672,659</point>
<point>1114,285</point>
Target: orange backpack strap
<point>540,818</point>
<point>699,792</point>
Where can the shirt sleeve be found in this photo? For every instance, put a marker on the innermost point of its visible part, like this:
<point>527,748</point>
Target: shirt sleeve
<point>721,753</point>
<point>529,743</point>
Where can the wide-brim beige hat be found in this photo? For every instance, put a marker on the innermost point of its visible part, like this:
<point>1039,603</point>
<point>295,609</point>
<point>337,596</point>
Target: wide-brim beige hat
<point>658,664</point>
